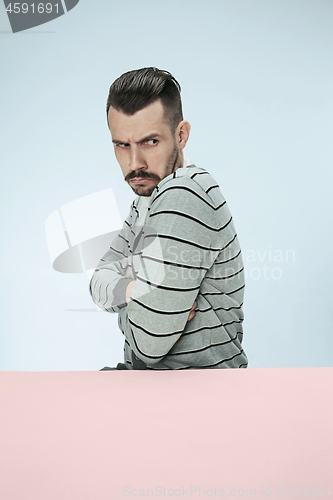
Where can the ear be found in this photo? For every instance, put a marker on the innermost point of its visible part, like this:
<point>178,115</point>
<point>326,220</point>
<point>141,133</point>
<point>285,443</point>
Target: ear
<point>182,133</point>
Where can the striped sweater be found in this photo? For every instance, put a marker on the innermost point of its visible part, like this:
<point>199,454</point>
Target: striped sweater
<point>186,251</point>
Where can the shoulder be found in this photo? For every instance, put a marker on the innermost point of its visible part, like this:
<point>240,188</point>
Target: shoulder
<point>189,184</point>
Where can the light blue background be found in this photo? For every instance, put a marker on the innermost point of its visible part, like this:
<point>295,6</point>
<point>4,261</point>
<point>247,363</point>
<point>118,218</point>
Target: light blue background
<point>257,81</point>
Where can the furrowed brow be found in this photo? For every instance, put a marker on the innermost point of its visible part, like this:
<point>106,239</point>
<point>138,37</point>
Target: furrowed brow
<point>148,138</point>
<point>144,139</point>
<point>115,141</point>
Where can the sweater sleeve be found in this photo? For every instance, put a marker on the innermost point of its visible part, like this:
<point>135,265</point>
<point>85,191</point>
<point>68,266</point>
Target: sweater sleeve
<point>178,250</point>
<point>108,283</point>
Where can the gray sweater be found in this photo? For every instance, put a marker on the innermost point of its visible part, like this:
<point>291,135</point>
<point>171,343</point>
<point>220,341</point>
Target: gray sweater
<point>186,251</point>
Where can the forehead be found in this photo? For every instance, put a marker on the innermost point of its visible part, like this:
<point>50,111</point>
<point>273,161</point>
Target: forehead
<point>147,120</point>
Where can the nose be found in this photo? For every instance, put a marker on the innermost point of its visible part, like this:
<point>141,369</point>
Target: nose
<point>137,161</point>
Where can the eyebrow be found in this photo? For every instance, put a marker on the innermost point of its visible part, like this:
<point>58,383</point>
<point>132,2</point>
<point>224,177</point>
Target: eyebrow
<point>144,139</point>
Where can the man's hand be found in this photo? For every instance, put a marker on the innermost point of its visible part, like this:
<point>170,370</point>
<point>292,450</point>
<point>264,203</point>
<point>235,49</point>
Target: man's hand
<point>192,312</point>
<point>129,290</point>
<point>130,285</point>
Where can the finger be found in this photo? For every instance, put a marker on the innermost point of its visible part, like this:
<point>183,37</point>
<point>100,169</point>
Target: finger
<point>191,315</point>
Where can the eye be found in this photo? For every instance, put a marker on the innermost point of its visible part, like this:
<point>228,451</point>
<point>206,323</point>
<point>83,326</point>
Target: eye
<point>151,142</point>
<point>121,145</point>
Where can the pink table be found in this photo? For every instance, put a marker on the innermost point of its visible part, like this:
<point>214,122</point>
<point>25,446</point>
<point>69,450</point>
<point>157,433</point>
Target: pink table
<point>186,434</point>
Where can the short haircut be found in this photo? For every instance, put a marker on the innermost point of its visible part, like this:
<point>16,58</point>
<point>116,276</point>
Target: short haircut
<point>136,89</point>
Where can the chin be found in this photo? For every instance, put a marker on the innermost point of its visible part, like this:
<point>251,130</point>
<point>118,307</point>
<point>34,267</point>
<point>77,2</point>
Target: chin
<point>143,191</point>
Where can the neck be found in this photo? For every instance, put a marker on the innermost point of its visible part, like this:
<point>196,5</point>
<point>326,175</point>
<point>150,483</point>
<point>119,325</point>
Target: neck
<point>181,159</point>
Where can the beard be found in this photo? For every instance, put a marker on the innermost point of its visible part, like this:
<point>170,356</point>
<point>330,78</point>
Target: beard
<point>170,167</point>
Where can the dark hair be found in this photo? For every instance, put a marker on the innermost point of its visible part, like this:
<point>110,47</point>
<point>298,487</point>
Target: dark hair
<point>136,89</point>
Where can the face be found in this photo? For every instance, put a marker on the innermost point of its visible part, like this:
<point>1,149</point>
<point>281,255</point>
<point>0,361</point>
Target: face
<point>145,148</point>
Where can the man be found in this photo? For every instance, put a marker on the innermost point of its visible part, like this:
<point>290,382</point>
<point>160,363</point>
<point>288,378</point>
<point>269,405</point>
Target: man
<point>174,273</point>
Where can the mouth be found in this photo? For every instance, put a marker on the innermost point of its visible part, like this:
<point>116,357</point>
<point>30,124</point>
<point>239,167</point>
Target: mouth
<point>140,180</point>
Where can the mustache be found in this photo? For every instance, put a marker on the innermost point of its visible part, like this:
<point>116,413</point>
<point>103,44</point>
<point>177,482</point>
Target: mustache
<point>141,174</point>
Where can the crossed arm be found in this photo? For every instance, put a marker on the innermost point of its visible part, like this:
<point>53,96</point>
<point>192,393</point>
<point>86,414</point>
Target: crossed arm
<point>112,285</point>
<point>131,285</point>
<point>158,299</point>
